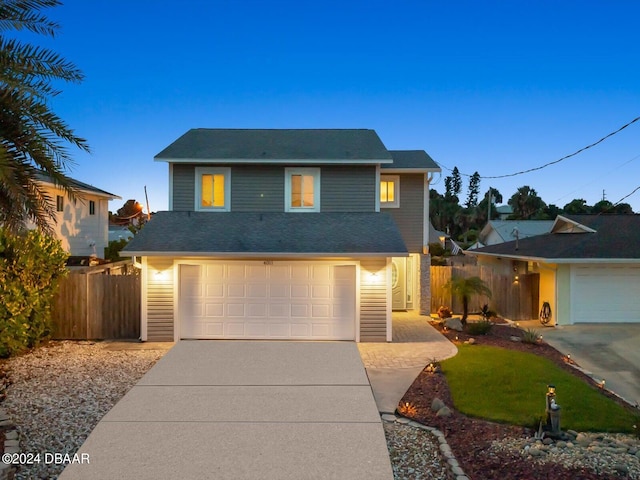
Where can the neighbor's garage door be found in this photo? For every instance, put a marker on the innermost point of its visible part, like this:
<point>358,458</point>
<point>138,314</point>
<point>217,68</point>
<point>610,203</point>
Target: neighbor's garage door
<point>605,294</point>
<point>258,300</point>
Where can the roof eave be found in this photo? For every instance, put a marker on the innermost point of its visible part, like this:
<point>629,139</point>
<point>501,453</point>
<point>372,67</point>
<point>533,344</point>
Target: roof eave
<point>554,260</point>
<point>410,170</point>
<point>279,161</point>
<point>125,253</point>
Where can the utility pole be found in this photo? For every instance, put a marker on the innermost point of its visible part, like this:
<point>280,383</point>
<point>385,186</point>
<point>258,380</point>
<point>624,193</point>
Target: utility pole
<point>147,199</point>
<point>489,204</point>
<point>603,195</point>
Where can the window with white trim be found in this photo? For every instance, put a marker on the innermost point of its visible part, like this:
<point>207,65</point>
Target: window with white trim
<point>92,207</point>
<point>302,190</point>
<point>213,189</point>
<point>389,191</point>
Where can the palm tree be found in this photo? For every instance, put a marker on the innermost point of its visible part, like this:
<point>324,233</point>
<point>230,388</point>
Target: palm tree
<point>464,288</point>
<point>32,137</point>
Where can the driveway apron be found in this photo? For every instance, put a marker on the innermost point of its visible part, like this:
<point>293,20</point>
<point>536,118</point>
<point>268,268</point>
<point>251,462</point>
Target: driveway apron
<point>605,351</point>
<point>243,410</point>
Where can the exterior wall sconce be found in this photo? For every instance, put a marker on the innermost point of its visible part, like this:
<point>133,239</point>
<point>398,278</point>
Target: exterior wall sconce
<point>160,275</point>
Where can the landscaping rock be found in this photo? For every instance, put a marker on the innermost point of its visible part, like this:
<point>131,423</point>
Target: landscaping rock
<point>453,323</point>
<point>437,404</point>
<point>471,341</point>
<point>515,339</point>
<point>444,412</point>
<point>583,440</point>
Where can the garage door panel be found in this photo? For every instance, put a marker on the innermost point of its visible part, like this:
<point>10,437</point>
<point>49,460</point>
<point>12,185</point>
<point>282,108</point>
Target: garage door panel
<point>605,294</point>
<point>300,291</point>
<point>257,309</point>
<point>300,310</point>
<point>321,291</point>
<point>320,311</point>
<point>256,300</point>
<point>213,310</point>
<point>279,291</point>
<point>213,290</point>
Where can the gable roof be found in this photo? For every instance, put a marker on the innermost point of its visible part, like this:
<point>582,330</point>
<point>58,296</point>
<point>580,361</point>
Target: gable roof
<point>83,187</point>
<point>271,234</point>
<point>412,160</point>
<point>526,228</point>
<point>599,238</point>
<point>227,145</point>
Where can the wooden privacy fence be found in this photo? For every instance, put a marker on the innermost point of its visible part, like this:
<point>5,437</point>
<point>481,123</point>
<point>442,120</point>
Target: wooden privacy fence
<point>94,306</point>
<point>515,300</point>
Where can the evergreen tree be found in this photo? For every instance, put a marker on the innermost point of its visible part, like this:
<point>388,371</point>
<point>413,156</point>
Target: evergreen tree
<point>474,190</point>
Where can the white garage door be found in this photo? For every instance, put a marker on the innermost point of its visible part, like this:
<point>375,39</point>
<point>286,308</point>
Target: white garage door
<point>255,300</point>
<point>605,294</point>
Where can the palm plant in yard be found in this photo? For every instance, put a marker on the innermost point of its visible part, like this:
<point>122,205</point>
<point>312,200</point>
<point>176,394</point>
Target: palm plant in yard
<point>33,139</point>
<point>465,288</point>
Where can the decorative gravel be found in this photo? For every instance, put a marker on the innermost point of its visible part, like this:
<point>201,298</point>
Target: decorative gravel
<point>60,392</point>
<point>414,453</point>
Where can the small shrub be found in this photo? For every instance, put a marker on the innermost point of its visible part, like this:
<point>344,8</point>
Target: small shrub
<point>530,336</point>
<point>479,328</point>
<point>444,312</point>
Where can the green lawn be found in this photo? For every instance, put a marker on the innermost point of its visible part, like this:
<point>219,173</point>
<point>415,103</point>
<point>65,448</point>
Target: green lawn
<point>509,386</point>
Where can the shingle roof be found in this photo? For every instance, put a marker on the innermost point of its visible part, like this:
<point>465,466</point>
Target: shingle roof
<point>615,237</point>
<point>240,233</point>
<point>411,159</point>
<point>223,144</point>
<point>43,177</point>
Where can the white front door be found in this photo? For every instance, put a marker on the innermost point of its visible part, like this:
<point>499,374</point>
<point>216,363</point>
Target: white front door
<point>267,300</point>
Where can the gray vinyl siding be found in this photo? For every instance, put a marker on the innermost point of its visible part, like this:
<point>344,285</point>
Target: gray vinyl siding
<point>184,187</point>
<point>257,188</point>
<point>159,300</point>
<point>260,188</point>
<point>373,300</point>
<point>409,216</point>
<point>348,189</point>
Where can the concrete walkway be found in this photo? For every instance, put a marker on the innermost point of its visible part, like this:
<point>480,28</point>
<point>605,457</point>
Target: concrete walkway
<point>243,410</point>
<point>392,367</point>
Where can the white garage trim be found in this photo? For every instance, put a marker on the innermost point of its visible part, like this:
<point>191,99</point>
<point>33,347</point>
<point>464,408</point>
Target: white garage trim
<point>242,329</point>
<point>605,293</point>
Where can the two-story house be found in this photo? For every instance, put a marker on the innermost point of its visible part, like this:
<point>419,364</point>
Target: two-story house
<point>285,234</point>
<point>82,224</point>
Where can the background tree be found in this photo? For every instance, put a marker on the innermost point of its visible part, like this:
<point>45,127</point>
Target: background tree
<point>525,204</point>
<point>577,206</point>
<point>33,138</point>
<point>483,207</point>
<point>550,212</point>
<point>474,190</point>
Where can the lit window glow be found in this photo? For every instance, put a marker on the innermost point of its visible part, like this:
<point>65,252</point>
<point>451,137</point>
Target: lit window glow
<point>212,190</point>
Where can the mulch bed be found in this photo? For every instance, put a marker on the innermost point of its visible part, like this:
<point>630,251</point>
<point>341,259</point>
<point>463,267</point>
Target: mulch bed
<point>470,438</point>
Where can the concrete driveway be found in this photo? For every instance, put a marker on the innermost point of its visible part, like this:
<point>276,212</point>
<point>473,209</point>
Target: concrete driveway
<point>243,410</point>
<point>606,351</point>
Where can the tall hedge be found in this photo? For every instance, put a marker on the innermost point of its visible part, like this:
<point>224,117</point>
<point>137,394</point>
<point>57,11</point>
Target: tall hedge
<point>31,264</point>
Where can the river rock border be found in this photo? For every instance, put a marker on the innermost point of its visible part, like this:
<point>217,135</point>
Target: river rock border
<point>11,445</point>
<point>445,449</point>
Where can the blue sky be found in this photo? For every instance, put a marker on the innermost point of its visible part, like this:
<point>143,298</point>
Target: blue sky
<point>490,86</point>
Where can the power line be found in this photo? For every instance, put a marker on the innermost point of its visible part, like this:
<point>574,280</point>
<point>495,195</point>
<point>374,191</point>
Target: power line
<point>627,196</point>
<point>555,161</point>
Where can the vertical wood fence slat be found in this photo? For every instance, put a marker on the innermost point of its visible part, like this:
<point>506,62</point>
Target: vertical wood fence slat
<point>97,307</point>
<point>510,299</point>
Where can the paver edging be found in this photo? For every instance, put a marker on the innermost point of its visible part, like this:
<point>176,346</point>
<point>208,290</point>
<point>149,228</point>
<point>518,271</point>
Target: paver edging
<point>445,449</point>
<point>11,445</point>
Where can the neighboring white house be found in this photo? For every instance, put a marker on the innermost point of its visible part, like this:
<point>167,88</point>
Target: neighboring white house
<point>588,266</point>
<point>500,231</point>
<point>83,225</point>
